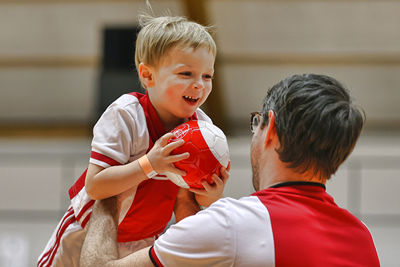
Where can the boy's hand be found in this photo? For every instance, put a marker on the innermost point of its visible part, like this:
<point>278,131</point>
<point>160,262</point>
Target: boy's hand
<point>212,192</point>
<point>160,158</point>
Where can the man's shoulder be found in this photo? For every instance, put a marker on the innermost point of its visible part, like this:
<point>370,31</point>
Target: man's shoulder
<point>241,207</point>
<point>229,231</point>
<point>232,202</point>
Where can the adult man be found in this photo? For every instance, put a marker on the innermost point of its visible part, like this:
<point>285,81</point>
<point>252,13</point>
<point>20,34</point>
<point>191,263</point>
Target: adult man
<point>308,126</point>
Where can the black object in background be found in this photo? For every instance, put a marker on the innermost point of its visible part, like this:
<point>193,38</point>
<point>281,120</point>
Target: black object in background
<point>118,74</point>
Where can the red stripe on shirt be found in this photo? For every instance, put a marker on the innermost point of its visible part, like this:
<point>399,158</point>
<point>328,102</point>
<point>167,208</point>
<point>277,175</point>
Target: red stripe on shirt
<point>154,258</point>
<point>103,158</point>
<point>80,183</point>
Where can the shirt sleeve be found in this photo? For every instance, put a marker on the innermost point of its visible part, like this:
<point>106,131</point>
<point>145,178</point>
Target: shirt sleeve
<point>206,239</point>
<point>113,135</point>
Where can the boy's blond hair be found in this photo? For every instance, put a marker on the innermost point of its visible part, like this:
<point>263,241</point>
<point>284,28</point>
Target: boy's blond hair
<point>159,34</point>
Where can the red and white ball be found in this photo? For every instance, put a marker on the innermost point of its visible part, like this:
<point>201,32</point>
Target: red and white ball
<point>208,150</point>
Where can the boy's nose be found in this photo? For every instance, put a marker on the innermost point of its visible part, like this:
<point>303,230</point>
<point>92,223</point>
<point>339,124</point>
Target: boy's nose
<point>198,84</point>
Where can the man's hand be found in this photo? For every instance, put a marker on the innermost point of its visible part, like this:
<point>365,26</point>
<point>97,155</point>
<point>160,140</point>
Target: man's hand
<point>211,193</point>
<point>100,247</point>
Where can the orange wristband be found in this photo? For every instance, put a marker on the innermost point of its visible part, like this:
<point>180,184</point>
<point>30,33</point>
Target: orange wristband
<point>146,166</point>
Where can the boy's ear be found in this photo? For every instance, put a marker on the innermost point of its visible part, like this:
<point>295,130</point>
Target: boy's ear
<point>146,75</point>
<point>271,130</point>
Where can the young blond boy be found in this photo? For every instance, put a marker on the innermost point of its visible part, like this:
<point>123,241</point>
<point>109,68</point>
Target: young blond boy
<point>130,151</point>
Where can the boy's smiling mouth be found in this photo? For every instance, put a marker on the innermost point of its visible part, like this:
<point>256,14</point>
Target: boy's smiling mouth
<point>191,99</point>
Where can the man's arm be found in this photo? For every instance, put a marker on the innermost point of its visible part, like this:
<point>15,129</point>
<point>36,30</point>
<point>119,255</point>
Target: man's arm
<point>188,202</point>
<point>185,204</point>
<point>100,247</point>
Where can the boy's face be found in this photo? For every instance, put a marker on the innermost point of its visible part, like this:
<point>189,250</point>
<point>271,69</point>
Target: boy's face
<point>182,82</point>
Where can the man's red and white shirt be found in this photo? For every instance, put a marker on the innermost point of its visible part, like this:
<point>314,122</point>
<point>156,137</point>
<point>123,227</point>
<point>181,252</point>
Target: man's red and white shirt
<point>290,224</point>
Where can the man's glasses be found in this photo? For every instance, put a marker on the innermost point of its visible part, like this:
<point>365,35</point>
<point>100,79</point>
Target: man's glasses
<point>255,120</point>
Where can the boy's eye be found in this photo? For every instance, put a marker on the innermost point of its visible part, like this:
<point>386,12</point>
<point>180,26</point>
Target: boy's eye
<point>207,76</point>
<point>185,73</point>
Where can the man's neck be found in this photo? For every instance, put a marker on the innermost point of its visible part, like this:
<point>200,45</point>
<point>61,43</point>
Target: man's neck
<point>275,173</point>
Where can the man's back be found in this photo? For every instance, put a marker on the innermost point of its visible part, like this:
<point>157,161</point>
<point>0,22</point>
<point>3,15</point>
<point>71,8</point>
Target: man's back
<point>309,229</point>
<point>292,224</point>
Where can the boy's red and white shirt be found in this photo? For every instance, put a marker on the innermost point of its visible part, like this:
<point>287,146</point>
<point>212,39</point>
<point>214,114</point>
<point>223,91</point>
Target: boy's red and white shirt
<point>125,132</point>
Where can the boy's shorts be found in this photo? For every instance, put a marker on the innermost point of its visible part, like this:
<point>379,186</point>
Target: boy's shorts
<point>64,246</point>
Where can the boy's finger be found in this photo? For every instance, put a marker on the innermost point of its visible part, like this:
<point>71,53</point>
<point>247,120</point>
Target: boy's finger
<point>206,185</point>
<point>217,180</point>
<point>179,157</point>
<point>171,146</point>
<point>224,174</point>
<point>164,139</point>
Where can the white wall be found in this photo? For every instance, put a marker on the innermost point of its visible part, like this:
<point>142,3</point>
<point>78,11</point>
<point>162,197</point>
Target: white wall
<point>49,55</point>
<point>358,42</point>
<point>49,52</point>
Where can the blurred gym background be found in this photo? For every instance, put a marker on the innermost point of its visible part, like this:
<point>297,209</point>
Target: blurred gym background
<point>62,62</point>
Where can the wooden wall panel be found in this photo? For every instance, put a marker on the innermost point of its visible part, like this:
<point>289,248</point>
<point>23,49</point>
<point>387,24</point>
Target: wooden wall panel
<point>59,29</point>
<point>375,88</point>
<point>257,27</point>
<point>47,94</point>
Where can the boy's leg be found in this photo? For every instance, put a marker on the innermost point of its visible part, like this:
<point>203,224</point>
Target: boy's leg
<point>63,248</point>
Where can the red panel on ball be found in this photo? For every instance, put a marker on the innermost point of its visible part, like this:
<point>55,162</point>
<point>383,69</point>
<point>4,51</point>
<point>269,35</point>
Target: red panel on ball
<point>201,164</point>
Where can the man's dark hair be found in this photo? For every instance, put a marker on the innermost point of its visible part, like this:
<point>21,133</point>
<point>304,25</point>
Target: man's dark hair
<point>316,121</point>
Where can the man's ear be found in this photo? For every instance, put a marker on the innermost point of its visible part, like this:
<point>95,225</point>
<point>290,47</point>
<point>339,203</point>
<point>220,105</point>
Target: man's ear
<point>146,75</point>
<point>271,130</point>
